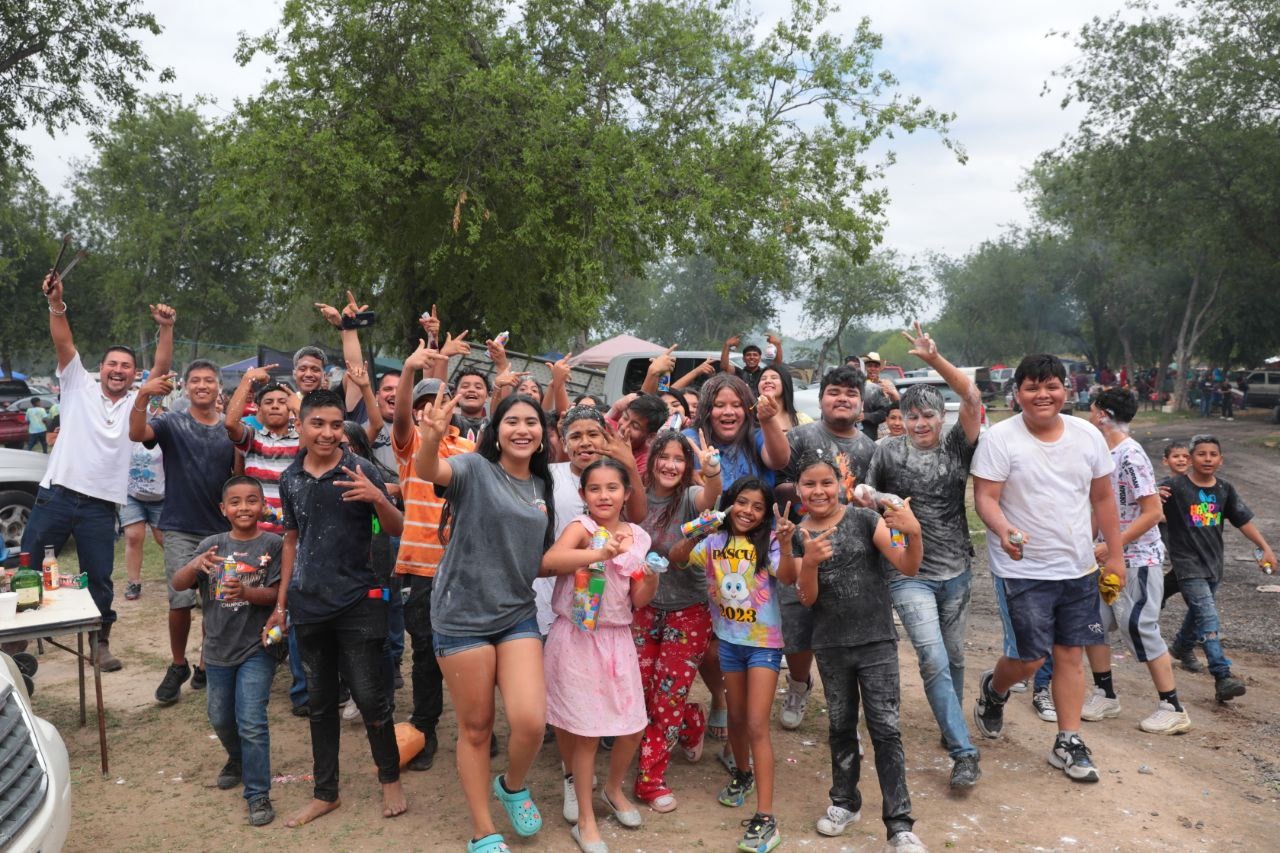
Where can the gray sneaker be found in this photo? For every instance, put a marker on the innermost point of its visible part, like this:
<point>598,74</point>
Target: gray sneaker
<point>1071,756</point>
<point>793,704</point>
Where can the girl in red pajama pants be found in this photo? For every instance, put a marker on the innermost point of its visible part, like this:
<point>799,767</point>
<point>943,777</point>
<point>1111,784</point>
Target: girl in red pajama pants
<point>671,633</point>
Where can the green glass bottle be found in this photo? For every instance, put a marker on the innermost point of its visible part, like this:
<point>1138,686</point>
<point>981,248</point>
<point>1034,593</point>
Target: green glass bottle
<point>26,583</point>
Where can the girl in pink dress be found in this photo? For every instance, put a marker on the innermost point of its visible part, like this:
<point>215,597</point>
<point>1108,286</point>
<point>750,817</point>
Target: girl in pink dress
<point>593,674</point>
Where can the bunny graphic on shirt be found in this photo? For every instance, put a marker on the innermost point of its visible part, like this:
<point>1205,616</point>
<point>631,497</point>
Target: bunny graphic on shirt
<point>734,591</point>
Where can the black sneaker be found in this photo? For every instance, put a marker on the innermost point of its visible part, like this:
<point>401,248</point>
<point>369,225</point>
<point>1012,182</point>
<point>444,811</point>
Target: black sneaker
<point>1227,687</point>
<point>260,812</point>
<point>965,773</point>
<point>988,710</point>
<point>1188,659</point>
<point>199,678</point>
<point>174,677</point>
<point>740,785</point>
<point>229,775</point>
<point>424,759</point>
<point>301,711</point>
<point>132,591</point>
<point>1071,756</point>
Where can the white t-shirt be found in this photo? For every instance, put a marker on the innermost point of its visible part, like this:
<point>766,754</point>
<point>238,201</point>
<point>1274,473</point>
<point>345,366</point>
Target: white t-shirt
<point>1046,496</point>
<point>92,453</point>
<point>1133,479</point>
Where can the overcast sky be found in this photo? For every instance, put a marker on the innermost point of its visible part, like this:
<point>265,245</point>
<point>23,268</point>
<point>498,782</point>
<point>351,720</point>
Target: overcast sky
<point>985,60</point>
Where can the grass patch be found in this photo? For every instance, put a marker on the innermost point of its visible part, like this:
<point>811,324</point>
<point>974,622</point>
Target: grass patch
<point>1269,442</point>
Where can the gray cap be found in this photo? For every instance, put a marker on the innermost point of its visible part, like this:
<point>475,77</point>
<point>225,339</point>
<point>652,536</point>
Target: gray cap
<point>430,386</point>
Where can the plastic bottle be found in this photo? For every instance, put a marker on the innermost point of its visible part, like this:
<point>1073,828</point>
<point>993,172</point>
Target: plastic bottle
<point>49,568</point>
<point>501,339</point>
<point>886,500</point>
<point>27,584</point>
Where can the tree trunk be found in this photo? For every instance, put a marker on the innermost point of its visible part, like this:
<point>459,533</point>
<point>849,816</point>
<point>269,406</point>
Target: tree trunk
<point>1192,327</point>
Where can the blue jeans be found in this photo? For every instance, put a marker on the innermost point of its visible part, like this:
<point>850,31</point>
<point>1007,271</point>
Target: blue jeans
<point>238,713</point>
<point>395,614</point>
<point>60,513</point>
<point>298,689</point>
<point>933,614</point>
<point>1044,675</point>
<point>1200,625</point>
<point>1206,404</point>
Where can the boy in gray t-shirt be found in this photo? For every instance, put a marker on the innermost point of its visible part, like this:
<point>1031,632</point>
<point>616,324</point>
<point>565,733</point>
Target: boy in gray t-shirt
<point>237,574</point>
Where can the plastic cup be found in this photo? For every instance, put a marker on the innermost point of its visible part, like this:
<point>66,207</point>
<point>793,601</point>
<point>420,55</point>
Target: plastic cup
<point>8,606</point>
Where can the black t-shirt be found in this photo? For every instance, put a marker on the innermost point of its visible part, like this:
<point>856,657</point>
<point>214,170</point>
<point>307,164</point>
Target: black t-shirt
<point>853,607</point>
<point>331,569</point>
<point>233,629</point>
<point>198,459</point>
<point>1194,516</point>
<point>875,408</point>
<point>935,481</point>
<point>852,454</point>
<point>470,428</point>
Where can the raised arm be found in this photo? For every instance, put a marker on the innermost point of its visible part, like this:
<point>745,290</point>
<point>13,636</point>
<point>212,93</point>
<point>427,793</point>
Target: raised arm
<point>557,397</point>
<point>358,375</point>
<point>926,349</point>
<point>707,368</point>
<point>165,317</point>
<point>59,328</point>
<point>659,366</point>
<point>777,346</point>
<point>159,385</point>
<point>435,425</point>
<point>726,366</point>
<point>776,451</point>
<point>350,342</point>
<point>233,419</point>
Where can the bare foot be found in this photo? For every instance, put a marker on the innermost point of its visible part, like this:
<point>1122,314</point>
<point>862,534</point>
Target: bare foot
<point>312,810</point>
<point>393,802</point>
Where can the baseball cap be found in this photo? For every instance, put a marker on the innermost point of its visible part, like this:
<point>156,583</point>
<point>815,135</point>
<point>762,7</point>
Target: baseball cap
<point>430,386</point>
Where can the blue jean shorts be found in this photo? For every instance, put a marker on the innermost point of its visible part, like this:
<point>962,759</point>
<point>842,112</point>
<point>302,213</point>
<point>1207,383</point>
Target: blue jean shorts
<point>446,645</point>
<point>134,511</point>
<point>1039,614</point>
<point>736,658</point>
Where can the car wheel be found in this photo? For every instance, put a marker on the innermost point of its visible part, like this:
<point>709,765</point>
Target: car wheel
<point>1275,415</point>
<point>15,512</point>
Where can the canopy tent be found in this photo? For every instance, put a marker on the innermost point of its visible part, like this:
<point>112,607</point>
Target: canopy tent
<point>602,353</point>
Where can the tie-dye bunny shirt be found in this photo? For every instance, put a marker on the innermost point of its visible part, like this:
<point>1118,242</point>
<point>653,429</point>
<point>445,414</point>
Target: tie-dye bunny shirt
<point>744,601</point>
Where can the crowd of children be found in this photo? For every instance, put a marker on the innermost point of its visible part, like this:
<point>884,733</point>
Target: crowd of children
<point>587,567</point>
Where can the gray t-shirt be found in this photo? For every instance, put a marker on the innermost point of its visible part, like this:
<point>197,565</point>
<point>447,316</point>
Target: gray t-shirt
<point>853,607</point>
<point>852,454</point>
<point>875,408</point>
<point>681,586</point>
<point>935,481</point>
<point>233,629</point>
<point>485,581</point>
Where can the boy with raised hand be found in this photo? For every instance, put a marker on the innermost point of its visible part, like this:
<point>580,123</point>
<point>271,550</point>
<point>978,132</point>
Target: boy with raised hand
<point>1041,481</point>
<point>1136,610</point>
<point>336,606</point>
<point>198,458</point>
<point>239,667</point>
<point>1198,502</point>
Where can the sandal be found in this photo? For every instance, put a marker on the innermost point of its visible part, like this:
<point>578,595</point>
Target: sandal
<point>523,814</point>
<point>488,844</point>
<point>718,719</point>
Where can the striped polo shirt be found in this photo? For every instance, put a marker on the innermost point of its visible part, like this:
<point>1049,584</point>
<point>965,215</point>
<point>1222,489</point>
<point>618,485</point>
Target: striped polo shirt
<point>266,456</point>
<point>420,545</point>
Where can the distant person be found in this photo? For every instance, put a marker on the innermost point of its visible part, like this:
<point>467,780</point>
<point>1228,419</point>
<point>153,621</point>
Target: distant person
<point>142,510</point>
<point>37,430</point>
<point>751,369</point>
<point>88,472</point>
<point>878,397</point>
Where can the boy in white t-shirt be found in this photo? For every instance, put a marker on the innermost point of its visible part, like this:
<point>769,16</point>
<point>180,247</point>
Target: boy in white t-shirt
<point>1041,481</point>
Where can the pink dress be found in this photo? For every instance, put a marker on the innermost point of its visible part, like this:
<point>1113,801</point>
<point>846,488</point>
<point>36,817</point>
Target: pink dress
<point>593,677</point>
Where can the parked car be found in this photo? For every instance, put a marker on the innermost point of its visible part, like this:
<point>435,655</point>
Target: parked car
<point>1264,388</point>
<point>1002,378</point>
<point>20,474</point>
<point>626,372</point>
<point>35,773</point>
<point>13,389</point>
<point>13,426</point>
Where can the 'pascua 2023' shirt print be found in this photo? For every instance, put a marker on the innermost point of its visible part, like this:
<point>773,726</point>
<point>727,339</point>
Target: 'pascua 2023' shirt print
<point>744,606</point>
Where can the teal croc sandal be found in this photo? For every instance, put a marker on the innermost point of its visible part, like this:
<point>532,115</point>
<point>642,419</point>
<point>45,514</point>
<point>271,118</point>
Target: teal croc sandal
<point>523,814</point>
<point>488,844</point>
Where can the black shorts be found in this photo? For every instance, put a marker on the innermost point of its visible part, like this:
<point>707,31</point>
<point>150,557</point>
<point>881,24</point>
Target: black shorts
<point>1039,614</point>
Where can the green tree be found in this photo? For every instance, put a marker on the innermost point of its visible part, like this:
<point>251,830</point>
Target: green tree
<point>65,62</point>
<point>163,231</point>
<point>515,165</point>
<point>26,221</point>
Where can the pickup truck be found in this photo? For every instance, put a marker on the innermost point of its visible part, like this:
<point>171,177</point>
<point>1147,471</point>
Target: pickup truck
<point>20,474</point>
<point>626,372</point>
<point>35,773</point>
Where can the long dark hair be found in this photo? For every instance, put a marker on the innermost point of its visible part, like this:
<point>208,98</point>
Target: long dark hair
<point>606,462</point>
<point>759,537</point>
<point>539,463</point>
<point>706,397</point>
<point>660,443</point>
<point>788,389</point>
<point>358,442</point>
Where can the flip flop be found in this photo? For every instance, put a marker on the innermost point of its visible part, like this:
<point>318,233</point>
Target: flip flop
<point>718,718</point>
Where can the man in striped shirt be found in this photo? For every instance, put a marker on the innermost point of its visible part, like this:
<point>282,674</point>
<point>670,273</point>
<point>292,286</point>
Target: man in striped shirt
<point>420,545</point>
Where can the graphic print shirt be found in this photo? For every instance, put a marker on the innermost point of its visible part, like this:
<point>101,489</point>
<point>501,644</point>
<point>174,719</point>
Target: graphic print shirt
<point>1194,516</point>
<point>744,603</point>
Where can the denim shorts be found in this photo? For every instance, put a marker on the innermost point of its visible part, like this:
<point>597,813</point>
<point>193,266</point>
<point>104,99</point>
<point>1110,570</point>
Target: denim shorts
<point>446,645</point>
<point>1039,614</point>
<point>736,658</point>
<point>134,511</point>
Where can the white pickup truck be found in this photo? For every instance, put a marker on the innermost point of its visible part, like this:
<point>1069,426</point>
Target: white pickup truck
<point>626,372</point>
<point>35,774</point>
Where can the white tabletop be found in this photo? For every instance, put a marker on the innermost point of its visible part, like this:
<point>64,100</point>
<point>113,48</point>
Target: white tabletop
<point>63,608</point>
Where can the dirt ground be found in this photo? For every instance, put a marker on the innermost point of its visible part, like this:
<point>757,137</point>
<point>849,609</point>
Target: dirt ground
<point>1214,788</point>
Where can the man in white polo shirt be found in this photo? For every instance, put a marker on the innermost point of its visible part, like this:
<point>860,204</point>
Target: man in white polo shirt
<point>88,472</point>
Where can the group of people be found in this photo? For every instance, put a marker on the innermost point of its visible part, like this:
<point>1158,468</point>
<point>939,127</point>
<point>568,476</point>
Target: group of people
<point>591,562</point>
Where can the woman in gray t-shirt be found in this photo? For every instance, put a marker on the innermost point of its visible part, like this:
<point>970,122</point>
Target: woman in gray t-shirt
<point>501,514</point>
<point>672,632</point>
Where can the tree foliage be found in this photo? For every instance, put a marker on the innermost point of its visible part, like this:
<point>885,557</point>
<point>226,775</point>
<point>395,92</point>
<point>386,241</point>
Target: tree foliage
<point>65,62</point>
<point>516,165</point>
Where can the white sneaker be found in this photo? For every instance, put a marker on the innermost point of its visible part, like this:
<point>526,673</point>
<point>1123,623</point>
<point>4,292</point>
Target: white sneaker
<point>1099,707</point>
<point>906,842</point>
<point>350,713</point>
<point>570,801</point>
<point>1020,687</point>
<point>1042,701</point>
<point>837,820</point>
<point>793,704</point>
<point>1166,721</point>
